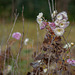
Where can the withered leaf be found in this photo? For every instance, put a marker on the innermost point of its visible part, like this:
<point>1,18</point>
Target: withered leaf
<point>39,57</point>
<point>35,64</point>
<point>57,39</point>
<point>44,48</point>
<point>47,38</point>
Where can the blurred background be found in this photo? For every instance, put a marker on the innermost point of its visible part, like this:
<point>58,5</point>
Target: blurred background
<point>31,28</point>
<point>33,7</point>
<point>31,10</point>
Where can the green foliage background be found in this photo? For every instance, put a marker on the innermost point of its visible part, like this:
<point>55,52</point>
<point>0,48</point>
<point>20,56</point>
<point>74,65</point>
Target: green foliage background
<point>33,7</point>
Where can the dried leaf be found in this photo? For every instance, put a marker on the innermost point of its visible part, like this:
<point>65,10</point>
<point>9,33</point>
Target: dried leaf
<point>39,57</point>
<point>35,64</point>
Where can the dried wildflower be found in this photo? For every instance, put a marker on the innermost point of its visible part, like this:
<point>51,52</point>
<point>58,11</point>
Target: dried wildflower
<point>26,41</point>
<point>64,15</point>
<point>43,25</point>
<point>59,16</point>
<point>52,51</point>
<point>64,24</point>
<point>52,25</point>
<point>9,68</point>
<point>57,22</point>
<point>54,13</point>
<point>16,35</point>
<point>40,15</point>
<point>58,31</point>
<point>39,21</point>
<point>68,45</point>
<point>71,61</point>
<point>63,20</point>
<point>45,70</point>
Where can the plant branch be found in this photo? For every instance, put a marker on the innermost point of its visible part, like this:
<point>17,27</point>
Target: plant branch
<point>21,46</point>
<point>9,38</point>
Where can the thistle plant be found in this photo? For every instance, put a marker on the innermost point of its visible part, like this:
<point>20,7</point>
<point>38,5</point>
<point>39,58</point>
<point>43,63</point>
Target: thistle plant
<point>54,57</point>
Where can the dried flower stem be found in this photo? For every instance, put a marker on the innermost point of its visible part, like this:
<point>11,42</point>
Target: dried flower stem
<point>69,32</point>
<point>50,8</point>
<point>22,36</point>
<point>53,5</point>
<point>8,39</point>
<point>67,44</point>
<point>1,45</point>
<point>50,54</point>
<point>21,45</point>
<point>0,50</point>
<point>37,40</point>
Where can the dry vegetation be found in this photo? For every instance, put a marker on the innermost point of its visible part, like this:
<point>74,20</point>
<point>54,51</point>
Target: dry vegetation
<point>27,51</point>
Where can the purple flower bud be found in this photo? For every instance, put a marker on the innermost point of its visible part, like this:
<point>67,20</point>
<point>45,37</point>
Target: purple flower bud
<point>52,25</point>
<point>43,25</point>
<point>16,35</point>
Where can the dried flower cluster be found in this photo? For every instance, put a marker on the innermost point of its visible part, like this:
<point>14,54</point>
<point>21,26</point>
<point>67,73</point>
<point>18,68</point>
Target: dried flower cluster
<point>54,57</point>
<point>58,25</point>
